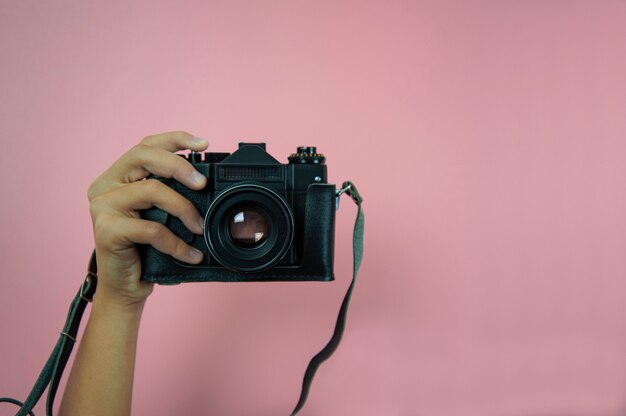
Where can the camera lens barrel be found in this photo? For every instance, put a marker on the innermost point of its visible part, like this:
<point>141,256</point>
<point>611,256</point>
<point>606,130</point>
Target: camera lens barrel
<point>248,228</point>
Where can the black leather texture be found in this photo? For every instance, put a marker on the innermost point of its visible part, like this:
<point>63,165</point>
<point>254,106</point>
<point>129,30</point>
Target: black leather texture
<point>313,241</point>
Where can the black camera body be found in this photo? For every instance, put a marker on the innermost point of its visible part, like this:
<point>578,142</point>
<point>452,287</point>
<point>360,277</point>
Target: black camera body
<point>264,221</point>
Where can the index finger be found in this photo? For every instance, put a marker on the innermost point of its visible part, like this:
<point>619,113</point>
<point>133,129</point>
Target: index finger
<point>157,149</point>
<point>175,140</point>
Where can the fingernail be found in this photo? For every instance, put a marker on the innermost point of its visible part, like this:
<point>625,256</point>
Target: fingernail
<point>201,225</point>
<point>195,254</point>
<point>197,177</point>
<point>199,141</point>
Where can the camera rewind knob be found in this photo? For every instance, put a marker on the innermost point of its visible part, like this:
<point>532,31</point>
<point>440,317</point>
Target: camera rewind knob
<point>307,155</point>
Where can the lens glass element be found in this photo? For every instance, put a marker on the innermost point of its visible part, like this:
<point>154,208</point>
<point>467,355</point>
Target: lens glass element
<point>248,227</point>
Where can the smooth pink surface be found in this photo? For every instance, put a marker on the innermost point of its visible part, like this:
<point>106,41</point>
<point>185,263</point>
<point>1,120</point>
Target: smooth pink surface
<point>487,137</point>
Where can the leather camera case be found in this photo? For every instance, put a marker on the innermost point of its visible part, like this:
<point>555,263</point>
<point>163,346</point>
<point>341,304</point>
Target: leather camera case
<point>313,205</point>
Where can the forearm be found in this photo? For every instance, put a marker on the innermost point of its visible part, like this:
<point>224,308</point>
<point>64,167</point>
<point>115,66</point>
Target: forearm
<point>101,379</point>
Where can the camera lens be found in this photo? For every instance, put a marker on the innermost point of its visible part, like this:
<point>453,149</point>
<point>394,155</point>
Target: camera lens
<point>249,227</point>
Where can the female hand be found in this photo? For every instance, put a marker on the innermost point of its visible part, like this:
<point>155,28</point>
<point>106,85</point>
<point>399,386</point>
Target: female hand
<point>115,198</point>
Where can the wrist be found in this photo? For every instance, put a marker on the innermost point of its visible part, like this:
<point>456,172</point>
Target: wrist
<point>126,293</point>
<point>117,305</point>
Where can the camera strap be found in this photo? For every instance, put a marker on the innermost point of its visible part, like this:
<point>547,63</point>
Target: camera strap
<point>331,346</point>
<point>53,369</point>
<point>55,365</point>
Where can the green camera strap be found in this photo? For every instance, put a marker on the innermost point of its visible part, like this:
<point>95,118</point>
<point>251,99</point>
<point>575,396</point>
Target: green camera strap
<point>53,369</point>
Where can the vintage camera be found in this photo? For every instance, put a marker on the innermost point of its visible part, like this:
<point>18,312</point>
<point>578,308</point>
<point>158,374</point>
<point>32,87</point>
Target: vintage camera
<point>264,221</point>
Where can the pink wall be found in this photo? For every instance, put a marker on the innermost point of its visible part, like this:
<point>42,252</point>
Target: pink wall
<point>488,139</point>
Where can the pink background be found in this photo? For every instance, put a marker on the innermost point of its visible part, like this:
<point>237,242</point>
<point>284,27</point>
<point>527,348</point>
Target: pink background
<point>487,137</point>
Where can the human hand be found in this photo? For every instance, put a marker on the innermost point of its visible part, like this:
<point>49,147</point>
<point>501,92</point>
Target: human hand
<point>117,195</point>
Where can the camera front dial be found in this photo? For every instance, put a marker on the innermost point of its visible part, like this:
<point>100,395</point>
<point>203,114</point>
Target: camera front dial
<point>248,228</point>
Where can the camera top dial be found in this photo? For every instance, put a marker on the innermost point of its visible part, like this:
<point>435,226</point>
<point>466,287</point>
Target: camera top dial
<point>307,155</point>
